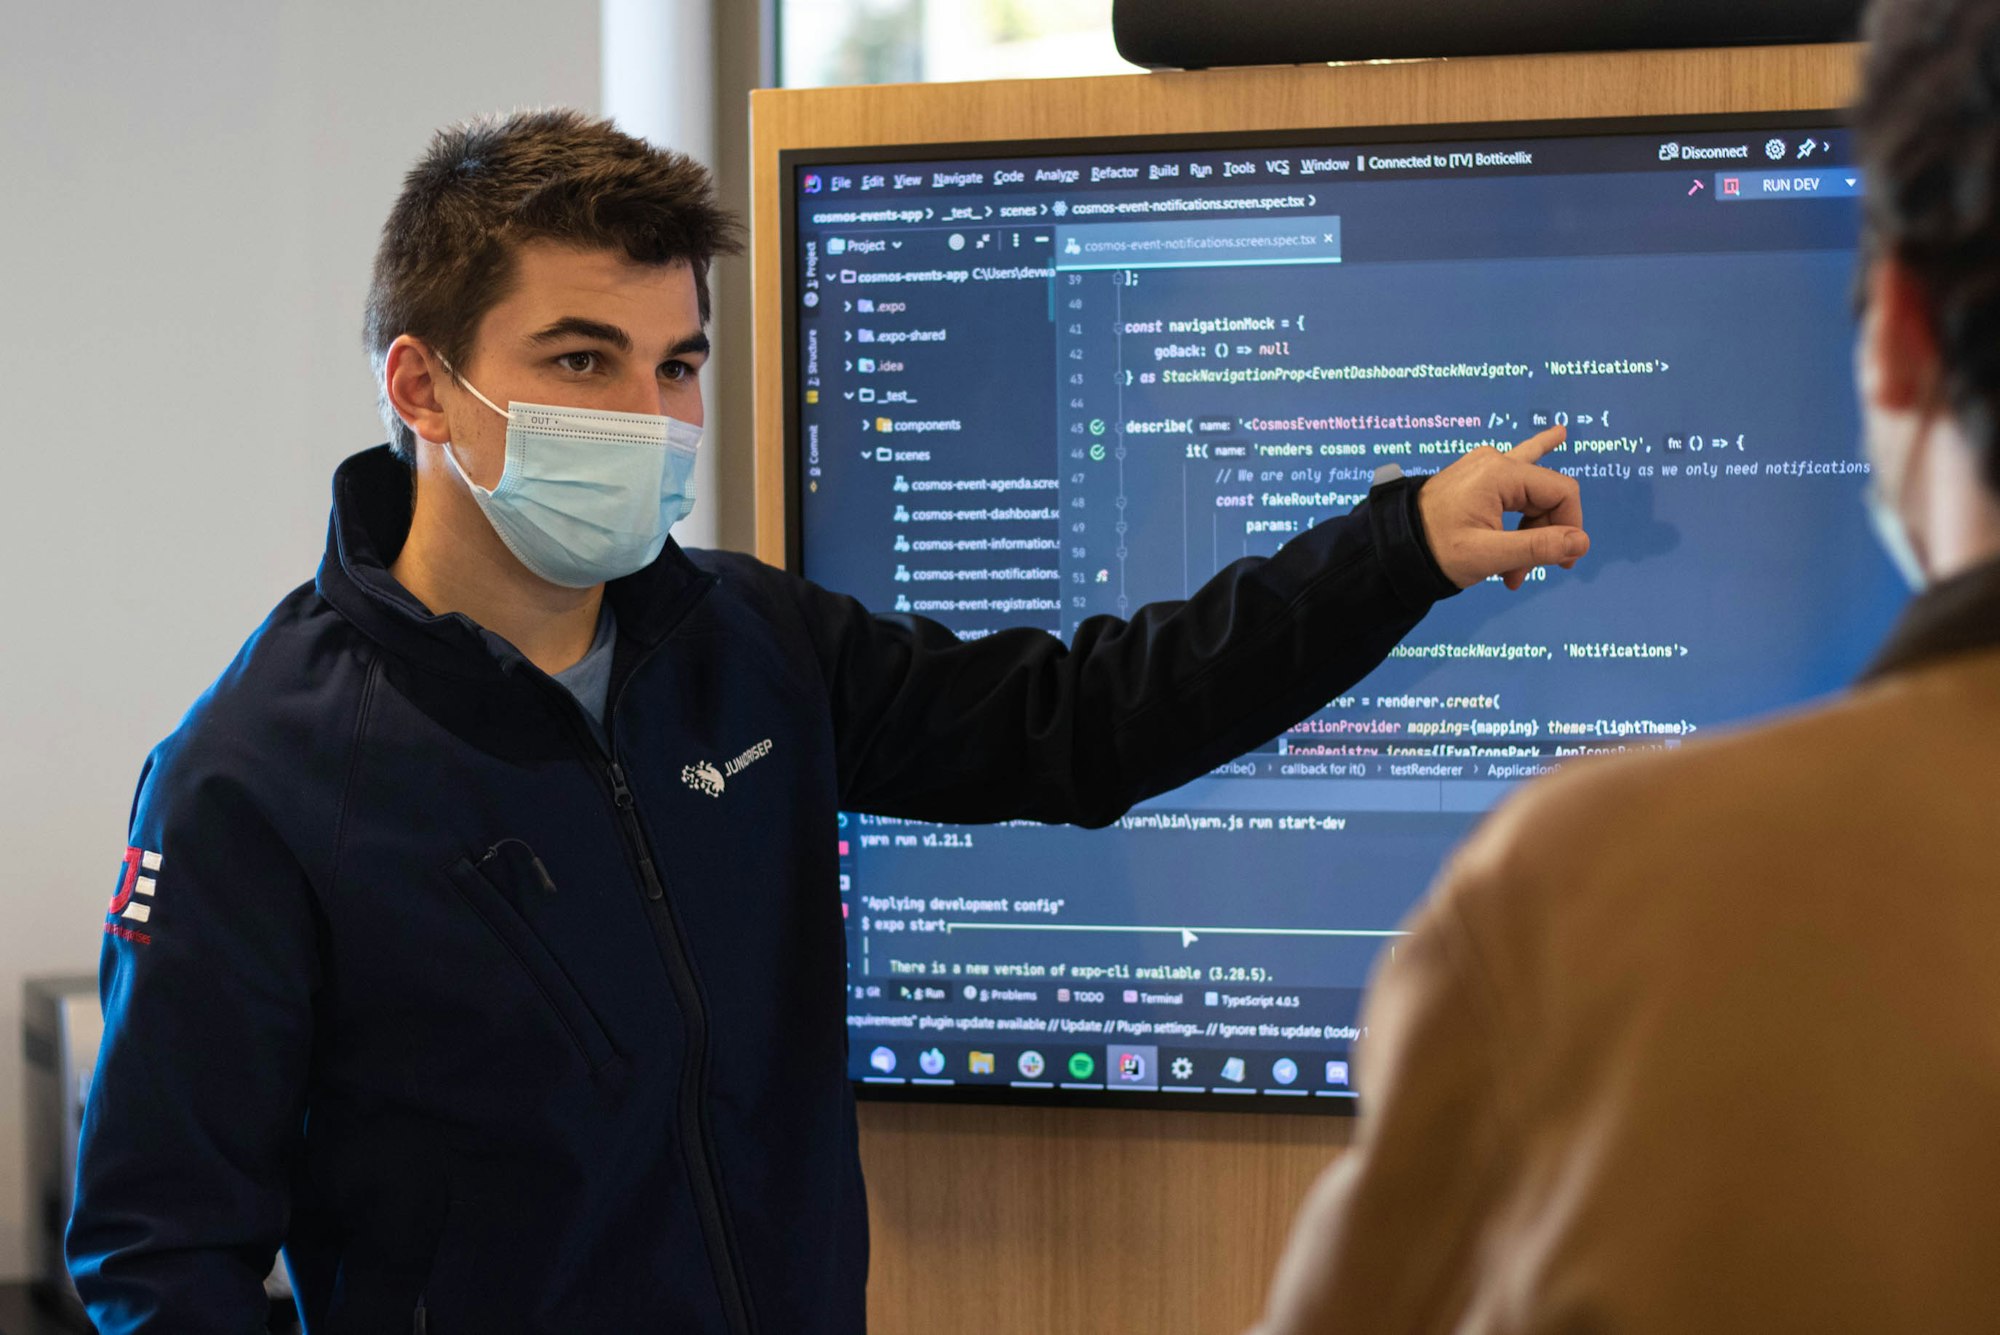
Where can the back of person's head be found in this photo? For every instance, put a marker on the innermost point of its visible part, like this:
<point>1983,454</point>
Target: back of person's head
<point>486,186</point>
<point>1929,123</point>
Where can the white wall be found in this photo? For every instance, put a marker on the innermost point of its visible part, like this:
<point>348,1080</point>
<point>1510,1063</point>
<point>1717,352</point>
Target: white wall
<point>189,200</point>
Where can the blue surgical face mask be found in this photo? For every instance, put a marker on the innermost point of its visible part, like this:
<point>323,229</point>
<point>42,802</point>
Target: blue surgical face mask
<point>1894,536</point>
<point>1891,450</point>
<point>586,496</point>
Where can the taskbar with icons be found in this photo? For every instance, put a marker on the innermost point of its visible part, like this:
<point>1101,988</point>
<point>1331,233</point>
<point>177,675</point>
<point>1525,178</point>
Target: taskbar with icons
<point>1207,1077</point>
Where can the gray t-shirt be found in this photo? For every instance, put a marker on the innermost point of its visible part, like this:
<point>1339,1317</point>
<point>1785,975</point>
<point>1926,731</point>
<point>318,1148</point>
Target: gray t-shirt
<point>589,678</point>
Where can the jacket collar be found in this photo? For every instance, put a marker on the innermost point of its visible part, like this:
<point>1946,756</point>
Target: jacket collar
<point>372,496</point>
<point>1961,615</point>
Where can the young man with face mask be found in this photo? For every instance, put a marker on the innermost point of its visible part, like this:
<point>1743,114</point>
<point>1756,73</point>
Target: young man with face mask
<point>478,939</point>
<point>1706,1040</point>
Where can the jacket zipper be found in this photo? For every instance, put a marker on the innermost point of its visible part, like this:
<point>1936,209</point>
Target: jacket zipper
<point>695,1137</point>
<point>696,1147</point>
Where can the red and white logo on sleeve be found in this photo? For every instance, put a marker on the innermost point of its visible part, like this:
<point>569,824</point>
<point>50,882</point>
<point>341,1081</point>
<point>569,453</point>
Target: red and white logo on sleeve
<point>138,882</point>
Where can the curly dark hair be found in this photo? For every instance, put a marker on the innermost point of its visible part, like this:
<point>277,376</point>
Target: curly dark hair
<point>1929,125</point>
<point>488,185</point>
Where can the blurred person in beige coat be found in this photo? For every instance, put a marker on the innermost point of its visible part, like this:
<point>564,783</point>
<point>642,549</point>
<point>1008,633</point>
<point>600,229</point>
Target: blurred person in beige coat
<point>1709,1040</point>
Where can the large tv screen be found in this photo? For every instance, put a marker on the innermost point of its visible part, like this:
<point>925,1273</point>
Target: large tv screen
<point>1030,384</point>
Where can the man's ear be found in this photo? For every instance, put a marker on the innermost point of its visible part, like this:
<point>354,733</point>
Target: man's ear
<point>1899,348</point>
<point>411,375</point>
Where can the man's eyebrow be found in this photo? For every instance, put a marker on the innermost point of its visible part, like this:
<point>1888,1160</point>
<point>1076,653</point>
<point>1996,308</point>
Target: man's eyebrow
<point>575,326</point>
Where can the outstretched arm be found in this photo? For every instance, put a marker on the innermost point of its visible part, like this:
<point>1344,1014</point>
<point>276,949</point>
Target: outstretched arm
<point>1019,725</point>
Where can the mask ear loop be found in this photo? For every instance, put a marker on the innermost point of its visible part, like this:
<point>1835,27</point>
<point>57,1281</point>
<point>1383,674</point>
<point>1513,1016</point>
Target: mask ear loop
<point>472,388</point>
<point>449,451</point>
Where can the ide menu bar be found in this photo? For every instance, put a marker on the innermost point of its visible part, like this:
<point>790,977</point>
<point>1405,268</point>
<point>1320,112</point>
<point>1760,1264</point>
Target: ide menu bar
<point>821,185</point>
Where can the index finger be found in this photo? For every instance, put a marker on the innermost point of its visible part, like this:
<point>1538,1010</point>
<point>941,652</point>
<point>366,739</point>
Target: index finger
<point>1535,446</point>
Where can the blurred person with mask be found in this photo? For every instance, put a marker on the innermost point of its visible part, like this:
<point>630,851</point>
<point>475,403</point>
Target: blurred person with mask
<point>1709,1039</point>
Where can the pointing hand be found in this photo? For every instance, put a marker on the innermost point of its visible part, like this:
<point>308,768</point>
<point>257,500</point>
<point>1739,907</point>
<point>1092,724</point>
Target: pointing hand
<point>1465,508</point>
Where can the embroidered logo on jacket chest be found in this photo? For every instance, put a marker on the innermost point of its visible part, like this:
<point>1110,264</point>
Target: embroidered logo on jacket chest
<point>705,776</point>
